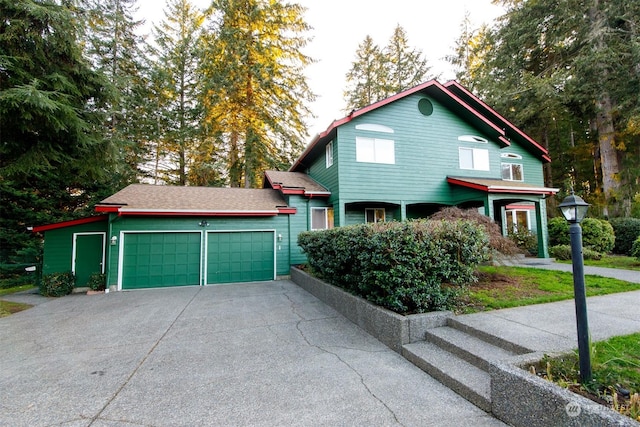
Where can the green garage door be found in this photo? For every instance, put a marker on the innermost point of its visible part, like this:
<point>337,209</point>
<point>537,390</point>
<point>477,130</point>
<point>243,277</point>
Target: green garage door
<point>161,260</point>
<point>245,256</point>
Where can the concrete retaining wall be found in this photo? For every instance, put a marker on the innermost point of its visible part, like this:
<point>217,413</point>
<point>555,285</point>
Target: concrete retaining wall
<point>393,329</point>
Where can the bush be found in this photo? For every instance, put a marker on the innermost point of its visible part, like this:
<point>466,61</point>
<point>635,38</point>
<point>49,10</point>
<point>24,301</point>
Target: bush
<point>635,249</point>
<point>57,284</point>
<point>97,282</point>
<point>627,230</point>
<point>497,242</point>
<point>563,252</point>
<point>597,234</point>
<point>400,266</point>
<point>525,240</point>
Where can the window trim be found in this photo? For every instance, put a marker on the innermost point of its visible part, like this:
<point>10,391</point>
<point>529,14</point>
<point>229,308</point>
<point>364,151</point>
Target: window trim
<point>374,210</point>
<point>511,171</point>
<point>475,159</point>
<point>328,151</point>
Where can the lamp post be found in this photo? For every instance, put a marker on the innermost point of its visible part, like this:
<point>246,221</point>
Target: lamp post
<point>574,210</point>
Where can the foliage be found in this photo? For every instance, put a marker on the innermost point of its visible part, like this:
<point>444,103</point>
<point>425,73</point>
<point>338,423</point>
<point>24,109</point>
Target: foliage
<point>616,367</point>
<point>497,242</point>
<point>57,284</point>
<point>525,240</point>
<point>378,73</point>
<point>255,93</point>
<point>97,282</point>
<point>597,234</point>
<point>563,252</point>
<point>635,249</point>
<point>413,266</point>
<point>626,231</point>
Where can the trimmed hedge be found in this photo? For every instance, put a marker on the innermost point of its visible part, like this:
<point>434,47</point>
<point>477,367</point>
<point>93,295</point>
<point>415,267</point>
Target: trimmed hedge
<point>57,284</point>
<point>597,234</point>
<point>563,252</point>
<point>401,266</point>
<point>627,230</point>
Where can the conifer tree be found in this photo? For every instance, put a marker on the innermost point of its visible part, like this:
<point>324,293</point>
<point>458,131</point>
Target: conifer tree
<point>406,67</point>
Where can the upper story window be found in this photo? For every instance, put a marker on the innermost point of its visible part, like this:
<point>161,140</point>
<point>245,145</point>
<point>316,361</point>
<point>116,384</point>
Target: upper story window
<point>474,158</point>
<point>329,153</point>
<point>374,215</point>
<point>512,172</point>
<point>375,150</point>
<point>321,218</point>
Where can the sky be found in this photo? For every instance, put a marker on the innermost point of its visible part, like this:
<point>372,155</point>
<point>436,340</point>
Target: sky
<point>339,26</point>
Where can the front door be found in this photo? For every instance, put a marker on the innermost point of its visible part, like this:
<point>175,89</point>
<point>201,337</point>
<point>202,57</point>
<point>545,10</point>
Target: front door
<point>88,256</point>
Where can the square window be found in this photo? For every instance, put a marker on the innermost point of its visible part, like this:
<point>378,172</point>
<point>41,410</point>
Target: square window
<point>373,215</point>
<point>375,150</point>
<point>474,158</point>
<point>512,172</point>
<point>321,218</point>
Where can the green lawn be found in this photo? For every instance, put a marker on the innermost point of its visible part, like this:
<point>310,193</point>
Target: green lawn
<point>612,261</point>
<point>7,307</point>
<point>504,287</point>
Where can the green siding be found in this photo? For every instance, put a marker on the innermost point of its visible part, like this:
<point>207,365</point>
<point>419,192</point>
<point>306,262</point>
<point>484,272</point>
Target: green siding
<point>58,246</point>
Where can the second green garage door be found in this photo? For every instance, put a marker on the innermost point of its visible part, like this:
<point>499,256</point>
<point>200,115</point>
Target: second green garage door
<point>245,256</point>
<point>154,260</point>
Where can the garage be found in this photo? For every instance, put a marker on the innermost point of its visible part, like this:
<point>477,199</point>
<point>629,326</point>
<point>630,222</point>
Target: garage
<point>242,256</point>
<point>160,259</point>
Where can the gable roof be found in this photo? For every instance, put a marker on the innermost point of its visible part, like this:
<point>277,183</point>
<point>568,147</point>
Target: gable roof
<point>453,96</point>
<point>294,183</point>
<point>145,199</point>
<point>500,186</point>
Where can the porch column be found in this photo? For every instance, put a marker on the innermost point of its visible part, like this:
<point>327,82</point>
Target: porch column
<point>403,210</point>
<point>541,223</point>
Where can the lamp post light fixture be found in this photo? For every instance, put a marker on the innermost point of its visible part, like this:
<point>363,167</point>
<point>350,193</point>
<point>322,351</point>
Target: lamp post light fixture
<point>574,209</point>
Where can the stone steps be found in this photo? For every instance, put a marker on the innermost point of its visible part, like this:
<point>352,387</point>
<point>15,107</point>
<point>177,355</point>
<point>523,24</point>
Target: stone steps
<point>459,357</point>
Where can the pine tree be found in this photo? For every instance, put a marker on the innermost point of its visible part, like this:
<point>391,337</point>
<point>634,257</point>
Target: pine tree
<point>176,88</point>
<point>256,94</point>
<point>53,159</point>
<point>406,67</point>
<point>367,78</point>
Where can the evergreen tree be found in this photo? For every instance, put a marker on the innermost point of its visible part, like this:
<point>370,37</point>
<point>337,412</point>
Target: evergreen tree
<point>406,67</point>
<point>176,89</point>
<point>53,160</point>
<point>256,93</point>
<point>367,78</point>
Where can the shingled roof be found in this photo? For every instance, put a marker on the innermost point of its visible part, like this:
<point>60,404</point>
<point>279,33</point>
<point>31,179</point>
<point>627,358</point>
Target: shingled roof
<point>144,199</point>
<point>294,183</point>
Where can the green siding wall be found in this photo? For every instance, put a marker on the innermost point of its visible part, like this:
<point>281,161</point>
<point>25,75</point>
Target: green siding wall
<point>58,244</point>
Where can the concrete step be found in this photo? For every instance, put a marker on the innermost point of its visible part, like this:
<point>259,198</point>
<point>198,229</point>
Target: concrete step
<point>467,380</point>
<point>459,324</point>
<point>468,347</point>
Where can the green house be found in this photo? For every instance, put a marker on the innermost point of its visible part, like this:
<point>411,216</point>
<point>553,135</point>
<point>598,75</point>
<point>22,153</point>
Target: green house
<point>403,157</point>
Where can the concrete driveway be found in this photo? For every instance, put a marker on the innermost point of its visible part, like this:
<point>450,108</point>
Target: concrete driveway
<point>258,354</point>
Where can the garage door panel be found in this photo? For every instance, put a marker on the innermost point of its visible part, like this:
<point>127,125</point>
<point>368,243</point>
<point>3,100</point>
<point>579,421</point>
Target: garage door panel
<point>240,256</point>
<point>161,260</point>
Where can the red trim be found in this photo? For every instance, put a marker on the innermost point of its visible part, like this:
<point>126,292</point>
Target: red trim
<point>297,191</point>
<point>520,207</point>
<point>468,184</point>
<point>490,189</point>
<point>207,214</point>
<point>287,210</point>
<point>110,209</point>
<point>70,223</point>
<point>504,140</point>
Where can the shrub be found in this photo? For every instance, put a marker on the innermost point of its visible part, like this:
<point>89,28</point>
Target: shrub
<point>400,266</point>
<point>563,252</point>
<point>627,230</point>
<point>635,249</point>
<point>558,231</point>
<point>597,234</point>
<point>525,240</point>
<point>57,284</point>
<point>497,242</point>
<point>97,282</point>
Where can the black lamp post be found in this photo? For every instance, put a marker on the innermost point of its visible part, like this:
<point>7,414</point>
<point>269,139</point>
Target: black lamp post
<point>574,210</point>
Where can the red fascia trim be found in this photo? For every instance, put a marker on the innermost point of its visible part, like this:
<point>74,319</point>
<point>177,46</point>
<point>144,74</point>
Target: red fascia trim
<point>289,211</point>
<point>70,223</point>
<point>468,184</point>
<point>518,191</point>
<point>296,191</point>
<point>520,207</point>
<point>203,214</point>
<point>545,153</point>
<point>504,140</point>
<point>110,209</point>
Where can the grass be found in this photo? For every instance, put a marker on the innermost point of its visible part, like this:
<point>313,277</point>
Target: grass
<point>612,261</point>
<point>504,287</point>
<point>616,374</point>
<point>8,308</point>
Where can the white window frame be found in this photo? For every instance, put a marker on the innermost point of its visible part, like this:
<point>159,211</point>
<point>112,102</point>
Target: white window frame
<point>375,211</point>
<point>513,214</point>
<point>375,150</point>
<point>479,159</point>
<point>327,224</point>
<point>329,154</point>
<point>511,165</point>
